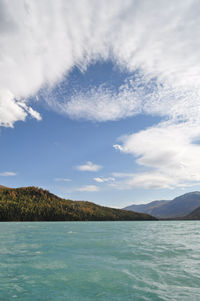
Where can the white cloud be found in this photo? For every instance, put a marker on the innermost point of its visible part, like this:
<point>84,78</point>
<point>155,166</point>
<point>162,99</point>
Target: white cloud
<point>169,153</point>
<point>12,110</point>
<point>41,41</point>
<point>7,174</point>
<point>89,166</point>
<point>118,146</point>
<point>103,180</point>
<point>154,38</point>
<point>138,94</point>
<point>102,104</point>
<point>88,188</point>
<point>30,111</point>
<point>62,180</point>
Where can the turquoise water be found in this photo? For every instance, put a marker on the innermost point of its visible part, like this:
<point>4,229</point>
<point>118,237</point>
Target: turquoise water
<point>100,261</point>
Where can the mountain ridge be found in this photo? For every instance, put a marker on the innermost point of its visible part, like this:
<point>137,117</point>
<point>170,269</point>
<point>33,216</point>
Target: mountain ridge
<point>178,207</point>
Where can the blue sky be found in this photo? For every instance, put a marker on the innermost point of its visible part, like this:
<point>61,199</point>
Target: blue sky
<point>39,152</point>
<point>45,153</point>
<point>97,101</point>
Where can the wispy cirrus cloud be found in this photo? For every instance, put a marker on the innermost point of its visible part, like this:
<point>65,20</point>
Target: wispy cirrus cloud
<point>89,166</point>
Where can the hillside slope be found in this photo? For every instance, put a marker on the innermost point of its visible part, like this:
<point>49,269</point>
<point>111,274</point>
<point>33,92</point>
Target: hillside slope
<point>36,204</point>
<point>178,207</point>
<point>194,215</point>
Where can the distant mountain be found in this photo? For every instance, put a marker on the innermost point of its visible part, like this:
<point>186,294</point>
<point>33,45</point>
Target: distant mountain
<point>144,208</point>
<point>178,207</point>
<point>194,215</point>
<point>36,204</point>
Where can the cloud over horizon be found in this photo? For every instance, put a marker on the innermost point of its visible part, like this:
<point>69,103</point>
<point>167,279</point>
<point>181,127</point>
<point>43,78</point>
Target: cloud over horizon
<point>168,152</point>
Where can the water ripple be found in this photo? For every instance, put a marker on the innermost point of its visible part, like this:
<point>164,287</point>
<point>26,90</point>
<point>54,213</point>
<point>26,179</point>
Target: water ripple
<point>100,261</point>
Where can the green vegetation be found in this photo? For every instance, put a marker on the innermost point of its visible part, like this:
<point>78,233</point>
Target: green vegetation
<point>36,204</point>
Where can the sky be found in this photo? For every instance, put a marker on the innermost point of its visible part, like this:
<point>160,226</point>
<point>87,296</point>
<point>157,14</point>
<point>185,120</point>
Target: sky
<point>100,100</point>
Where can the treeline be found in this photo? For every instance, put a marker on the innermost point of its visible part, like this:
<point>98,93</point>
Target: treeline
<point>36,204</point>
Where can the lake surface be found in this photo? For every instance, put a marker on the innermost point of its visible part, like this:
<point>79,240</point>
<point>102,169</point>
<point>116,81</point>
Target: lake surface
<point>66,261</point>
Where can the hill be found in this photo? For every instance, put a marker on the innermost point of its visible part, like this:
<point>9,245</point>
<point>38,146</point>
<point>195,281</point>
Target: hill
<point>3,187</point>
<point>178,207</point>
<point>36,204</point>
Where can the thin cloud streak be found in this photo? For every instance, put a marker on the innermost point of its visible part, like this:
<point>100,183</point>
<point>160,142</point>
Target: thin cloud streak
<point>8,174</point>
<point>104,180</point>
<point>62,180</point>
<point>88,188</point>
<point>89,166</point>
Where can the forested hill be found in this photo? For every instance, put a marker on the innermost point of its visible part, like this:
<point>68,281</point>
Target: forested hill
<point>36,204</point>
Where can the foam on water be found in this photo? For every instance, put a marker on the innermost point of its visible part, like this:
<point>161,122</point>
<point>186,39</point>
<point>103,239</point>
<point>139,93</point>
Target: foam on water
<point>100,261</point>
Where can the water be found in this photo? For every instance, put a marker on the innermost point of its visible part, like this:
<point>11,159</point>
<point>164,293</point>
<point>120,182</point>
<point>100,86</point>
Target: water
<point>67,261</point>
